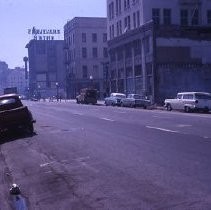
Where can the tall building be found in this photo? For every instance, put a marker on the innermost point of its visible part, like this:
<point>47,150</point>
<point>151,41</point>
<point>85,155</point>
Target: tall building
<point>157,48</point>
<point>47,73</point>
<point>86,53</point>
<point>3,75</point>
<point>16,78</point>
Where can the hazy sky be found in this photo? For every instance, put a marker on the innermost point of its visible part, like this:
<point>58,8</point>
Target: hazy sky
<point>16,16</point>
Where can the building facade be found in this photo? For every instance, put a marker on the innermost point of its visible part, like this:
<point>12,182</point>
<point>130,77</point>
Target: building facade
<point>47,73</point>
<point>157,48</point>
<point>86,54</point>
<point>3,76</point>
<point>16,78</point>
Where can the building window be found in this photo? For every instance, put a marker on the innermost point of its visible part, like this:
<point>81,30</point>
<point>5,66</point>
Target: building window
<point>85,72</point>
<point>134,20</point>
<point>112,31</point>
<point>147,45</point>
<point>209,17</point>
<point>104,37</point>
<point>111,10</point>
<point>84,37</point>
<point>84,52</point>
<point>184,17</point>
<point>120,27</point>
<point>105,52</point>
<point>94,37</point>
<point>96,71</point>
<point>195,17</point>
<point>128,22</point>
<point>138,18</point>
<point>94,52</point>
<point>167,16</point>
<point>40,48</point>
<point>156,16</point>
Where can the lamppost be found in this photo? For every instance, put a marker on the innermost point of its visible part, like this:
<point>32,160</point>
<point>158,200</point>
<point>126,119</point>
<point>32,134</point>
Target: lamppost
<point>38,93</point>
<point>25,59</point>
<point>57,91</point>
<point>91,80</point>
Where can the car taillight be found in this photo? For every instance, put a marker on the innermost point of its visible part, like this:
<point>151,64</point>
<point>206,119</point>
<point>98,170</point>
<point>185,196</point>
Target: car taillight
<point>196,101</point>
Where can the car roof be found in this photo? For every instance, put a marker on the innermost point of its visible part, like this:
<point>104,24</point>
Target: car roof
<point>194,93</point>
<point>12,95</point>
<point>117,94</point>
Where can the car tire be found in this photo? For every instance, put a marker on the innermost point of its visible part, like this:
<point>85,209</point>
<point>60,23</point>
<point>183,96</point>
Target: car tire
<point>206,110</point>
<point>187,109</point>
<point>168,107</point>
<point>30,128</point>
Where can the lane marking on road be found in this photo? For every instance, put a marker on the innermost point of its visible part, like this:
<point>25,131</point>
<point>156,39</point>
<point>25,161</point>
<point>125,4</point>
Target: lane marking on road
<point>162,129</point>
<point>78,114</point>
<point>183,125</point>
<point>46,164</point>
<point>107,119</point>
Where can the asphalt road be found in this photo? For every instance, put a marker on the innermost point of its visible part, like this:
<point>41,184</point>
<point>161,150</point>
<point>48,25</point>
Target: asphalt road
<point>96,157</point>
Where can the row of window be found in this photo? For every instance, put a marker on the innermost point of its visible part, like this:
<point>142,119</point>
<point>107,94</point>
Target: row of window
<point>85,72</point>
<point>94,37</point>
<point>94,52</point>
<point>187,17</point>
<point>127,25</point>
<point>118,6</point>
<point>71,39</point>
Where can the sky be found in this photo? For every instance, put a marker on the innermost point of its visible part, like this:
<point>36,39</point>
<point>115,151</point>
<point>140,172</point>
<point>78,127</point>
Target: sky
<point>17,16</point>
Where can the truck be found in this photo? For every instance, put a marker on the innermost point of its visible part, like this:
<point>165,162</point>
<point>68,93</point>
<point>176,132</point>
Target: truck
<point>14,115</point>
<point>87,96</point>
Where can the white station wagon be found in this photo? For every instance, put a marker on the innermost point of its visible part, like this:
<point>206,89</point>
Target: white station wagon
<point>190,101</point>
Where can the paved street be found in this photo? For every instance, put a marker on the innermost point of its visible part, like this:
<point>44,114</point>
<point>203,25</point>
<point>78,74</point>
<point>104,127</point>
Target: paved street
<point>97,157</point>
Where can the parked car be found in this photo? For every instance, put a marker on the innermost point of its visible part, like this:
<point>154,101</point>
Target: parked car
<point>114,99</point>
<point>87,96</point>
<point>135,100</point>
<point>190,101</point>
<point>13,114</point>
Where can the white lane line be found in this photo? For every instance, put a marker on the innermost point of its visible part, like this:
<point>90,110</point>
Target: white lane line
<point>107,119</point>
<point>183,125</point>
<point>78,114</point>
<point>46,164</point>
<point>162,129</point>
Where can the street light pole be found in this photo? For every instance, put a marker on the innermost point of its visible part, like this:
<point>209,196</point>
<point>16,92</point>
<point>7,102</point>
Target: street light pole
<point>57,91</point>
<point>91,79</point>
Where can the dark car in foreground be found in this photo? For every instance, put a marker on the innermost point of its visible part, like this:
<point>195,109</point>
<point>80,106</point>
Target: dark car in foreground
<point>135,100</point>
<point>14,115</point>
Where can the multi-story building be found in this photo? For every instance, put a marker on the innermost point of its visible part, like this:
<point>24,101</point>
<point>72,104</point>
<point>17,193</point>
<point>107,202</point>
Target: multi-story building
<point>86,53</point>
<point>157,48</point>
<point>16,78</point>
<point>3,75</point>
<point>47,73</point>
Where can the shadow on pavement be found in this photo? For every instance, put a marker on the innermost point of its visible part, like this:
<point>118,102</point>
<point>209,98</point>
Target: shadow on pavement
<point>8,136</point>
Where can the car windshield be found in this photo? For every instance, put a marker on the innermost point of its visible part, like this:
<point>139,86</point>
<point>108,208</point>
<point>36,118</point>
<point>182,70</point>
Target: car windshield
<point>137,97</point>
<point>7,101</point>
<point>91,93</point>
<point>203,96</point>
<point>120,96</point>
